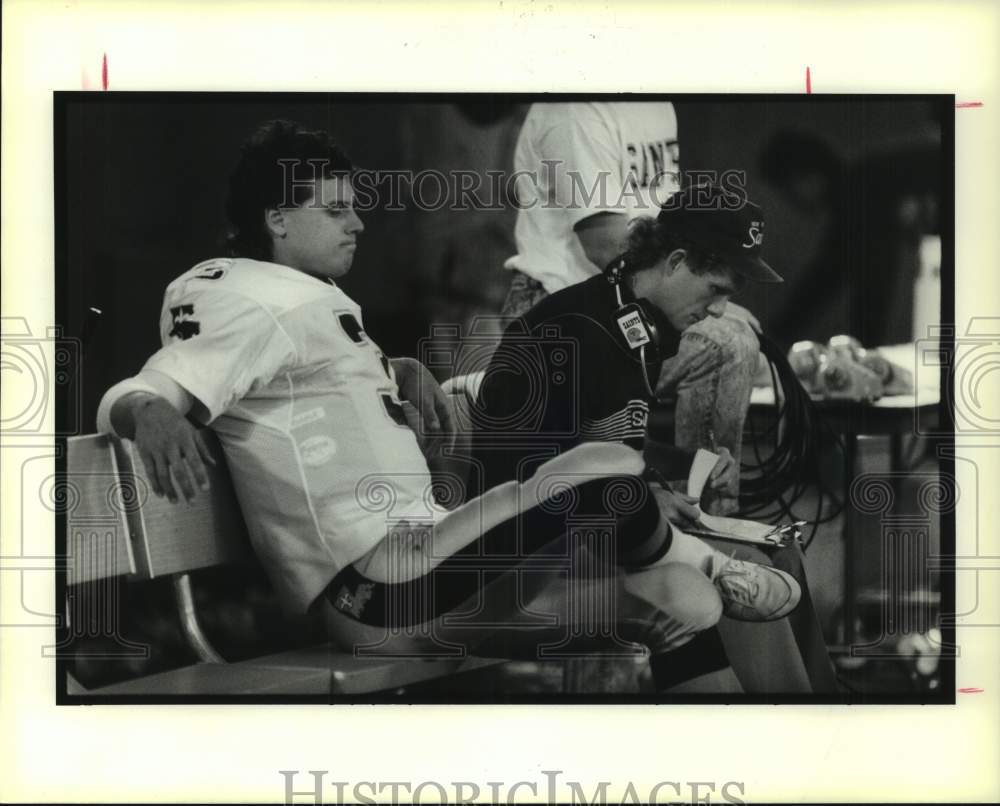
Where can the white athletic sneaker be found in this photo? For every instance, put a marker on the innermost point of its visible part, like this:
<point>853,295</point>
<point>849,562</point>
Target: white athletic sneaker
<point>753,592</point>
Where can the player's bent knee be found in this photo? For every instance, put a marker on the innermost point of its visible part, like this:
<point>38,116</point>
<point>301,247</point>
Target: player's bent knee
<point>585,462</point>
<point>596,458</point>
<point>681,592</point>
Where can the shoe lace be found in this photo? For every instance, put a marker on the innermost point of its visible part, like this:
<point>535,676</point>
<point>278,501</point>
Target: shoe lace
<point>739,581</point>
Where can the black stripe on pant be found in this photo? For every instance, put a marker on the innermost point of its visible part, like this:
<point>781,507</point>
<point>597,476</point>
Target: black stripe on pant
<point>622,501</point>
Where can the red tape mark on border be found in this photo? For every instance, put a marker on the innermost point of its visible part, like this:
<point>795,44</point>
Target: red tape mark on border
<point>969,105</point>
<point>104,71</point>
<point>809,84</point>
<point>970,690</point>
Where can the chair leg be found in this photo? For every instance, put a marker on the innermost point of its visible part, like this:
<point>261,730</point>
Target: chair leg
<point>189,621</point>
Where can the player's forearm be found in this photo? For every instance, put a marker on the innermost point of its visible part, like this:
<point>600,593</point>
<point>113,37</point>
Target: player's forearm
<point>121,404</point>
<point>602,237</point>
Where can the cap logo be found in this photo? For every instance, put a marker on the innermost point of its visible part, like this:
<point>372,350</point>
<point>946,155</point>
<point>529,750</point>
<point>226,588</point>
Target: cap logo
<point>755,235</point>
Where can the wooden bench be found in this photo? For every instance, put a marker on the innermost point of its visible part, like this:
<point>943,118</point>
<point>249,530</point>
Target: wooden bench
<point>116,527</point>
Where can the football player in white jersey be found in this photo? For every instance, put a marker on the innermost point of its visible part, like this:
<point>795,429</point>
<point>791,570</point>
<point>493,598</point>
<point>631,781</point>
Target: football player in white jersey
<point>269,351</point>
<point>272,355</point>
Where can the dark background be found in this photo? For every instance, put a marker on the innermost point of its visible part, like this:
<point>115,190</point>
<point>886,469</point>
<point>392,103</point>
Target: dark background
<point>848,187</point>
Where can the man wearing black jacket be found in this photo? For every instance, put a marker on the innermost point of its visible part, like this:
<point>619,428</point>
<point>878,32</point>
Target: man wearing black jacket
<point>582,366</point>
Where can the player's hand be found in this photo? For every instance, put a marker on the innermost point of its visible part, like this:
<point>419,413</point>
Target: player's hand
<point>681,510</point>
<point>418,387</point>
<point>725,476</point>
<point>739,312</point>
<point>171,449</point>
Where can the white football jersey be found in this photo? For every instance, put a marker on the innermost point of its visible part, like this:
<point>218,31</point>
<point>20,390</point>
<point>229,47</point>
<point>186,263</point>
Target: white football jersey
<point>574,160</point>
<point>307,409</point>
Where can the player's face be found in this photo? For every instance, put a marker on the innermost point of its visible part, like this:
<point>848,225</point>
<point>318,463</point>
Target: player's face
<point>321,236</point>
<point>687,298</point>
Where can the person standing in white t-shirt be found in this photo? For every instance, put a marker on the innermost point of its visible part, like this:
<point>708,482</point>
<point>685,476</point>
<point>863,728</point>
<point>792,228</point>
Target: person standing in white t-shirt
<point>584,171</point>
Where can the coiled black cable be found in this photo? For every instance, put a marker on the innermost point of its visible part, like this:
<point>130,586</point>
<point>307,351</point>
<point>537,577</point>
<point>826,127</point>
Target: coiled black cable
<point>788,463</point>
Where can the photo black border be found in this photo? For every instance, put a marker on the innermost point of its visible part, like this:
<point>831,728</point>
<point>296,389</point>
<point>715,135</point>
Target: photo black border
<point>944,434</point>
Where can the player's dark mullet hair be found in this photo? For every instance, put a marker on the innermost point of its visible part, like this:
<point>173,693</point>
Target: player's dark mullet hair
<point>276,165</point>
<point>648,242</point>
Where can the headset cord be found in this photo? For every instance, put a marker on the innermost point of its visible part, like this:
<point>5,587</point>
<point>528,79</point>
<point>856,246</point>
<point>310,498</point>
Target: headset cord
<point>645,372</point>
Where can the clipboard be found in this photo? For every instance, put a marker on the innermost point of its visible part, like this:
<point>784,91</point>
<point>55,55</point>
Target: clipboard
<point>724,528</point>
<point>745,531</point>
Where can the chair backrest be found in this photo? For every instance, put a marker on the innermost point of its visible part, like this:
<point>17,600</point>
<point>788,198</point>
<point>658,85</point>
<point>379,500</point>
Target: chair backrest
<point>96,500</point>
<point>173,538</point>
